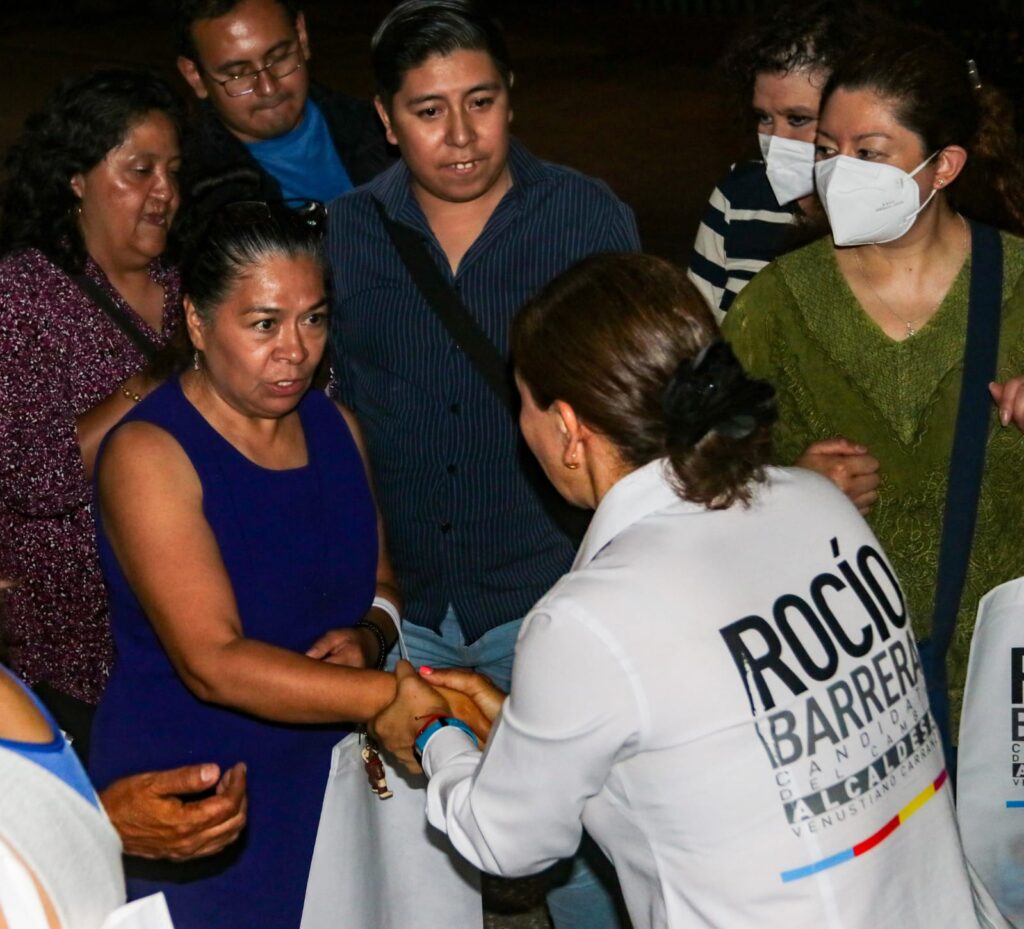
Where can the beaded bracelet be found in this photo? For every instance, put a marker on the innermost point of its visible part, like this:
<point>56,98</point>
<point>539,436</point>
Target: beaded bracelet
<point>382,644</point>
<point>131,395</point>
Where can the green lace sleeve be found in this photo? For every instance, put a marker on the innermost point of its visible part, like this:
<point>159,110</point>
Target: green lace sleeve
<point>762,326</point>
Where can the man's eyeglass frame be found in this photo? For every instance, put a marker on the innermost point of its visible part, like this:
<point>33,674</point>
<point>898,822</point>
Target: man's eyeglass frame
<point>253,77</point>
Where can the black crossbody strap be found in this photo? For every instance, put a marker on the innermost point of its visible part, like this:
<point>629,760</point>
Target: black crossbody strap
<point>971,437</point>
<point>483,355</point>
<point>461,326</point>
<point>103,300</point>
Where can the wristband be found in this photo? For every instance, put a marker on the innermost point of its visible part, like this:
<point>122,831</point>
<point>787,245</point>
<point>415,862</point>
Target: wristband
<point>382,603</point>
<point>434,725</point>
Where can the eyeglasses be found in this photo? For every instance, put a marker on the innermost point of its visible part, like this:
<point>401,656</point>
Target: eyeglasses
<point>241,84</point>
<point>311,212</point>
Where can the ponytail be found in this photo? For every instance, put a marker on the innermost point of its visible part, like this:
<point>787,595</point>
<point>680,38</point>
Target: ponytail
<point>991,186</point>
<point>716,427</point>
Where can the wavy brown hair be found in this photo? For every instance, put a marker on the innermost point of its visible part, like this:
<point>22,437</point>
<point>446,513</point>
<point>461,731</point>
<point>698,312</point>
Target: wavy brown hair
<point>627,341</point>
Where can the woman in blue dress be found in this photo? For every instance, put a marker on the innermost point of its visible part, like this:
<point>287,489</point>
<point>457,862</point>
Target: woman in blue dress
<point>250,594</point>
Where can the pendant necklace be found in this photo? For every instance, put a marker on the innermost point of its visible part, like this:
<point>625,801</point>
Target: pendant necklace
<point>908,323</point>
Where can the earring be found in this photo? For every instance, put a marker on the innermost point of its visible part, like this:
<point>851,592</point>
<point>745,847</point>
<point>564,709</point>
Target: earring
<point>195,359</point>
<point>574,464</point>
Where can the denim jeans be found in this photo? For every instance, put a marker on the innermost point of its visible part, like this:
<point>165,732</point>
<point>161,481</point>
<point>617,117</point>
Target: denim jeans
<point>586,892</point>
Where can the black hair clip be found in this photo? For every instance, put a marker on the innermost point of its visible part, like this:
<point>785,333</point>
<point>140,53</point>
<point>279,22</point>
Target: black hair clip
<point>712,393</point>
<point>972,74</point>
<point>312,212</point>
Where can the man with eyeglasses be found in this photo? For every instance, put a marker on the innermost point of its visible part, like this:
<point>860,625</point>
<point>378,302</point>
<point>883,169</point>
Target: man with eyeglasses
<point>248,63</point>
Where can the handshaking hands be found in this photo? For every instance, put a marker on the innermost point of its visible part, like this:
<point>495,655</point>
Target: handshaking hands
<point>454,692</point>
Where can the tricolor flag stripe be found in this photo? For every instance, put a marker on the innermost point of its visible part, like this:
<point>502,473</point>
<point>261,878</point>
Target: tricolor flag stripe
<point>876,838</point>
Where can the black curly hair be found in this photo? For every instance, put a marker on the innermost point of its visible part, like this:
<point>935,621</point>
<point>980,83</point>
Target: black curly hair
<point>85,117</point>
<point>800,35</point>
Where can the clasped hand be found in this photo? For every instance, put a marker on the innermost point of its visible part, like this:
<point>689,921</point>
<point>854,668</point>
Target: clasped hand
<point>350,647</point>
<point>464,695</point>
<point>855,471</point>
<point>849,466</point>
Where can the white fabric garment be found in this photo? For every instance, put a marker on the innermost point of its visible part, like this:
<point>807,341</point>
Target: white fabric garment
<point>990,776</point>
<point>20,905</point>
<point>72,849</point>
<point>760,798</point>
<point>789,164</point>
<point>377,861</point>
<point>868,202</point>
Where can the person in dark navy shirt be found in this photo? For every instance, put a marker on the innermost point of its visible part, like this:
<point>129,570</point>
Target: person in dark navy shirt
<point>471,541</point>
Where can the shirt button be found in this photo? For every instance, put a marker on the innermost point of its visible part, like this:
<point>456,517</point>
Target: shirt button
<point>446,526</point>
<point>455,408</point>
<point>452,469</point>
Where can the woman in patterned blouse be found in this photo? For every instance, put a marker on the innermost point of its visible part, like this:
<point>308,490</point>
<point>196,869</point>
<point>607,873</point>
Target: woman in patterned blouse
<point>89,193</point>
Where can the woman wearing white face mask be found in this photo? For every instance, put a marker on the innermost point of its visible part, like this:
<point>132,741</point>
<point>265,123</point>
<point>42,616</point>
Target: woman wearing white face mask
<point>780,67</point>
<point>865,335</point>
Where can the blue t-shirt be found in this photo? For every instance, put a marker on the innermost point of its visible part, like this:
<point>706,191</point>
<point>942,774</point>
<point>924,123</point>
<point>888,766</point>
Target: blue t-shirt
<point>304,161</point>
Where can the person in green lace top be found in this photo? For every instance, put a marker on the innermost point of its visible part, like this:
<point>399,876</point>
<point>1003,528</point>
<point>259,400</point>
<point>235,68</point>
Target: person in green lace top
<point>862,334</point>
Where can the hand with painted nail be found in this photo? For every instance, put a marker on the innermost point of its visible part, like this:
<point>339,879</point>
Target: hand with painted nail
<point>1009,398</point>
<point>487,698</point>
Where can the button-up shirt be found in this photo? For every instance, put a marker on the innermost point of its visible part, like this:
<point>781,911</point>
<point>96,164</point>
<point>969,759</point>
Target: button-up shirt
<point>730,702</point>
<point>465,527</point>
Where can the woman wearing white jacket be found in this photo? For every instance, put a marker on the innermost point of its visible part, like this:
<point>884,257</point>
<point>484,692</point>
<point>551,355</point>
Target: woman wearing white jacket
<point>724,690</point>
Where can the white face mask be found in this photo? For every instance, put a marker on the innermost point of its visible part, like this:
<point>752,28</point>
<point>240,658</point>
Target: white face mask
<point>790,166</point>
<point>868,203</point>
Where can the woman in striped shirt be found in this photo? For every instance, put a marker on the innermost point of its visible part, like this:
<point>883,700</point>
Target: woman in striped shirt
<point>780,65</point>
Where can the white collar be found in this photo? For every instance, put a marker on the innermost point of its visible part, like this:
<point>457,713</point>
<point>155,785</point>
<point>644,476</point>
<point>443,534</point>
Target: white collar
<point>634,497</point>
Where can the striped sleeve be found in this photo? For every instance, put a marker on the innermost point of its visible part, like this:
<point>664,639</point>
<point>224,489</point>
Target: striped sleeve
<point>707,265</point>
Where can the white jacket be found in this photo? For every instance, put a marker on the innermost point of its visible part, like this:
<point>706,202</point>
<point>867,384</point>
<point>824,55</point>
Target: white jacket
<point>730,702</point>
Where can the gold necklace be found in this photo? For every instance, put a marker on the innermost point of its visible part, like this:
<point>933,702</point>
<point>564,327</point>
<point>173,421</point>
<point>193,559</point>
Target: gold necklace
<point>908,323</point>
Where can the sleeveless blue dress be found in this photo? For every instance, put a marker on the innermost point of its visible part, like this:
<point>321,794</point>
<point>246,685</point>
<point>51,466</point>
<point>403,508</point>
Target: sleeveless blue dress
<point>300,548</point>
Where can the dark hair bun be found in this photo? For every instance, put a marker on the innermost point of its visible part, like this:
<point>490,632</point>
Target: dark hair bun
<point>206,196</point>
<point>712,393</point>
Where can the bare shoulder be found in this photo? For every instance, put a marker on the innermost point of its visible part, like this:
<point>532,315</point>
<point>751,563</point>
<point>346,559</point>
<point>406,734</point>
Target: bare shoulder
<point>139,442</point>
<point>20,720</point>
<point>140,456</point>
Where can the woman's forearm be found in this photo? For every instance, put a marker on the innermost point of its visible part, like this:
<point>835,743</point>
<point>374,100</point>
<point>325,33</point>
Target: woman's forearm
<point>274,683</point>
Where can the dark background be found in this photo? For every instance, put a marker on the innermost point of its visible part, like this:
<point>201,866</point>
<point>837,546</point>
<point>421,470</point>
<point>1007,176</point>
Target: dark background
<point>622,89</point>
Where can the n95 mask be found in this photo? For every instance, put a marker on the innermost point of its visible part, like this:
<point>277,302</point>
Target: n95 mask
<point>789,164</point>
<point>867,202</point>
